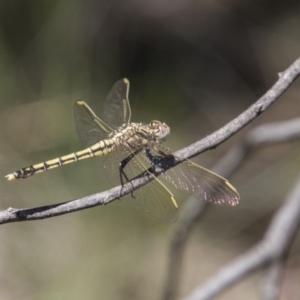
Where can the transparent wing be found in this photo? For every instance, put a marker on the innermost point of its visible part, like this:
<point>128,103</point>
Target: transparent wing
<point>116,108</point>
<point>152,198</point>
<point>89,127</point>
<point>116,112</point>
<point>202,183</point>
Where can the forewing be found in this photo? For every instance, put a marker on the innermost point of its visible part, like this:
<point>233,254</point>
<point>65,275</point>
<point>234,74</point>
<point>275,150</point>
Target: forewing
<point>89,127</point>
<point>116,109</point>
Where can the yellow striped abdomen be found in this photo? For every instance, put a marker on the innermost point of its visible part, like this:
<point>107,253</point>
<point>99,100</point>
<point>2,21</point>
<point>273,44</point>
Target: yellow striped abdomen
<point>104,147</point>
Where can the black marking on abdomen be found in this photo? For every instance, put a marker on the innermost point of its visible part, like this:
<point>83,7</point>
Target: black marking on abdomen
<point>91,151</point>
<point>25,172</point>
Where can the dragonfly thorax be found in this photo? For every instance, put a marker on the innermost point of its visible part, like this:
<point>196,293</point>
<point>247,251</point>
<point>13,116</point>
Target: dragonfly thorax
<point>138,135</point>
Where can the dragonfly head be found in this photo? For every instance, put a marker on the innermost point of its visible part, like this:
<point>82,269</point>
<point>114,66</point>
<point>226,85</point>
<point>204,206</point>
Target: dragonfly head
<point>159,130</point>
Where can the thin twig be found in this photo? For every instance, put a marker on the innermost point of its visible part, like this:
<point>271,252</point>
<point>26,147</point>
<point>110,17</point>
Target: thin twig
<point>285,80</point>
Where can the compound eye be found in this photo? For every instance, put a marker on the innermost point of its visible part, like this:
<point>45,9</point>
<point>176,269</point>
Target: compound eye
<point>154,125</point>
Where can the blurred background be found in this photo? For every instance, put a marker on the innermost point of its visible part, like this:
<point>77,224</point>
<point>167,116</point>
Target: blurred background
<point>193,64</point>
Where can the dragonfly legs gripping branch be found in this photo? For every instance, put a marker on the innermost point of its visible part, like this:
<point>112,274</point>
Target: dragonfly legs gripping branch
<point>122,173</point>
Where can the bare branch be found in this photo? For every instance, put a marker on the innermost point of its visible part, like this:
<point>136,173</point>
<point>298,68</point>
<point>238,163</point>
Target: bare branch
<point>285,80</point>
<point>274,246</point>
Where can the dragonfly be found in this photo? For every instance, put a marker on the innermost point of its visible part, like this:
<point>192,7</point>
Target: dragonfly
<point>137,150</point>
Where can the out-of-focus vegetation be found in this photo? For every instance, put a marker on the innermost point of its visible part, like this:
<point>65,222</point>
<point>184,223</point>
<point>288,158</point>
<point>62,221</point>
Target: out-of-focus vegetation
<point>193,64</point>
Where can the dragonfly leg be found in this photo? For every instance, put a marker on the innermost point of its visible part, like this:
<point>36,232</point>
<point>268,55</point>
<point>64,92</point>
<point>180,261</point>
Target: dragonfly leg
<point>122,173</point>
